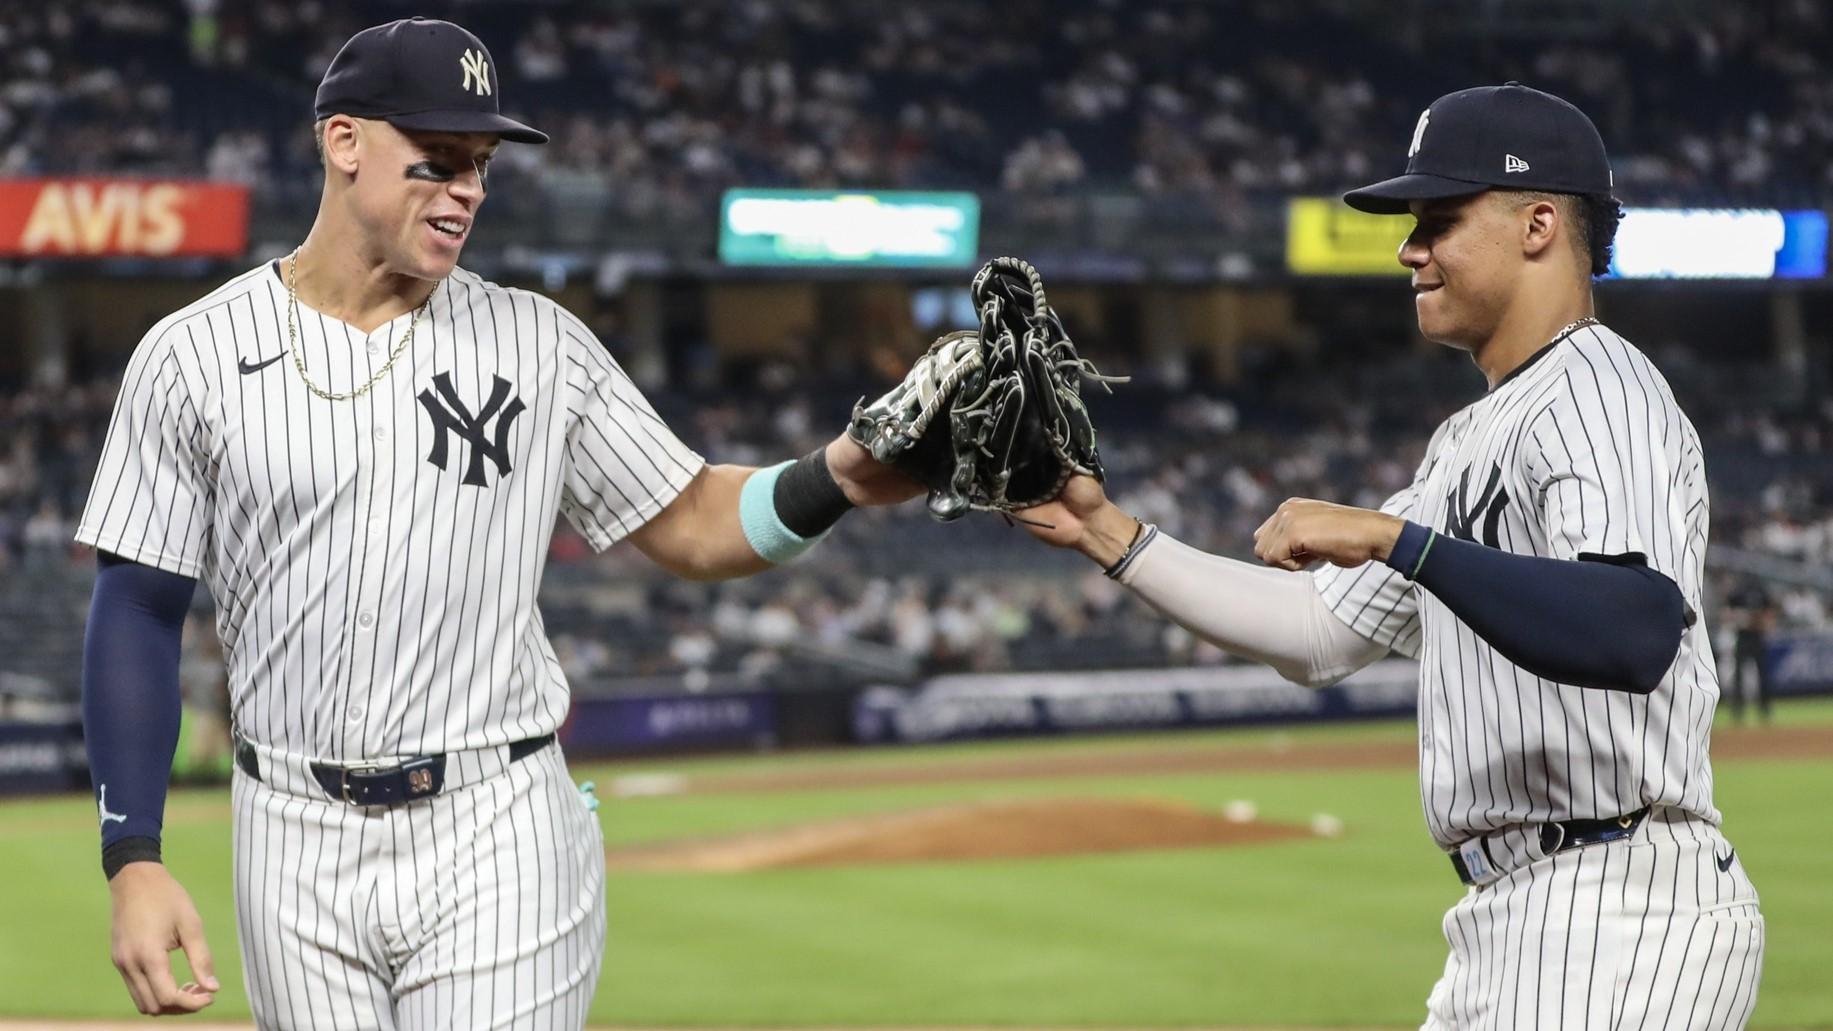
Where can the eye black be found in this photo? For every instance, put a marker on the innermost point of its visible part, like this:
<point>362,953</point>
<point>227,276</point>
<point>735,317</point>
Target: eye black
<point>431,171</point>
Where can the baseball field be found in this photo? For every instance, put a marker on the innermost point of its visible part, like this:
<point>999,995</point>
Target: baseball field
<point>1243,879</point>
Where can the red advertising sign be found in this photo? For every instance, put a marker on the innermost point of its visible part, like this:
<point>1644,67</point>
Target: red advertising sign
<point>90,217</point>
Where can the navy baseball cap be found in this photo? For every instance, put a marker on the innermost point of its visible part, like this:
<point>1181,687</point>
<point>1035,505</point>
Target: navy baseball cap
<point>418,73</point>
<point>1511,137</point>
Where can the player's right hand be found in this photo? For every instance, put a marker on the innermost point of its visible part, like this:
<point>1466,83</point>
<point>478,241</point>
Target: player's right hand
<point>153,915</point>
<point>1081,518</point>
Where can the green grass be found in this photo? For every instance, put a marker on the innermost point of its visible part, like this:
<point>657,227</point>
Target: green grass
<point>1311,932</point>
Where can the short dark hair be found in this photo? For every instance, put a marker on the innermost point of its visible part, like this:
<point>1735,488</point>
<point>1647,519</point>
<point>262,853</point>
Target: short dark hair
<point>318,138</point>
<point>1594,223</point>
<point>1593,217</point>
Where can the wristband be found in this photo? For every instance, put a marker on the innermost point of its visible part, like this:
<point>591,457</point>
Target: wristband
<point>129,850</point>
<point>764,528</point>
<point>808,499</point>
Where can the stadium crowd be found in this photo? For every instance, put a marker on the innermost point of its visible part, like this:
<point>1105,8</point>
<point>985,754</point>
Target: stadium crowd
<point>1206,464</point>
<point>663,104</point>
<point>1201,104</point>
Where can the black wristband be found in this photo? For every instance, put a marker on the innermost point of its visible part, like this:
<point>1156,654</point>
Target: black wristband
<point>808,501</point>
<point>129,850</point>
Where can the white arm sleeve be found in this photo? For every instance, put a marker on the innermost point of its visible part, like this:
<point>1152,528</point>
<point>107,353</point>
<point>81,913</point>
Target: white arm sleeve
<point>1256,612</point>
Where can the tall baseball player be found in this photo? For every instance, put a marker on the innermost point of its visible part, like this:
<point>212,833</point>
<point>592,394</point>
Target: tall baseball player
<point>362,449</point>
<point>1545,568</point>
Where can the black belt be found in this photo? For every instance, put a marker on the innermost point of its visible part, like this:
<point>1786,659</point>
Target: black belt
<point>1565,835</point>
<point>419,777</point>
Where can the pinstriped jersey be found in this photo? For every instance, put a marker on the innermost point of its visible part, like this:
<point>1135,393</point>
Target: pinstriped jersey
<point>375,561</point>
<point>1582,453</point>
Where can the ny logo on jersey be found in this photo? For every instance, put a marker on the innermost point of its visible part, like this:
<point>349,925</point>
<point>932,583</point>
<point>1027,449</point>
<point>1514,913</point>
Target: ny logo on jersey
<point>452,416</point>
<point>1462,517</point>
<point>477,72</point>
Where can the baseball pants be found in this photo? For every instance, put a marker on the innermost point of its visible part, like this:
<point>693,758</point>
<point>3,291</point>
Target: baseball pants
<point>480,907</point>
<point>1657,930</point>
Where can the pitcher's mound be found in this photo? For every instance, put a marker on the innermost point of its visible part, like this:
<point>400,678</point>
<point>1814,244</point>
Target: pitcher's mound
<point>988,830</point>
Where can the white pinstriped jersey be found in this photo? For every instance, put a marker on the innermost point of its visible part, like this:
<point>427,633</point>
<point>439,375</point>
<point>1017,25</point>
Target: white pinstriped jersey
<point>1583,451</point>
<point>375,561</point>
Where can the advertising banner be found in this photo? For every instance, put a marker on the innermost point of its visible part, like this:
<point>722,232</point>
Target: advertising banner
<point>632,723</point>
<point>98,218</point>
<point>997,705</point>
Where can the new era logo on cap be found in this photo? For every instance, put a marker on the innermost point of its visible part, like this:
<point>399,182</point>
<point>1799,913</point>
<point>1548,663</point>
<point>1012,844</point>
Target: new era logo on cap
<point>1511,163</point>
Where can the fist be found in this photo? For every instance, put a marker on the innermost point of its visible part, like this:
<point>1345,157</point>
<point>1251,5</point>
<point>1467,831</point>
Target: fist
<point>1303,532</point>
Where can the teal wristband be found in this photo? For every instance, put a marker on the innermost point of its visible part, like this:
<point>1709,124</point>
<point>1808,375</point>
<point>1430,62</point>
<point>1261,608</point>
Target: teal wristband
<point>764,529</point>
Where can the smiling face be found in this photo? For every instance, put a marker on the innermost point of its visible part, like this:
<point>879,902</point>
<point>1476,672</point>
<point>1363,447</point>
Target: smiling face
<point>1467,257</point>
<point>414,195</point>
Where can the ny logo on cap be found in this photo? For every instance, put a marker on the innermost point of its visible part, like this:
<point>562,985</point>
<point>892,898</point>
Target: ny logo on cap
<point>1419,131</point>
<point>477,72</point>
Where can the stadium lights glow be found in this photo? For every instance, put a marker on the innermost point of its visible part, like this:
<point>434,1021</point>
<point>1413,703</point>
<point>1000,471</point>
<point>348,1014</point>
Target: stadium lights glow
<point>1703,243</point>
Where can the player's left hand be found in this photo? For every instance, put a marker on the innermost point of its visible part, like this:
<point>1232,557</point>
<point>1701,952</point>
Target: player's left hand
<point>865,480</point>
<point>1303,532</point>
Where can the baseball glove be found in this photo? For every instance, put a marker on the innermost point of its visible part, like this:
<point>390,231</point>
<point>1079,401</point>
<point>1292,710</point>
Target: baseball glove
<point>990,419</point>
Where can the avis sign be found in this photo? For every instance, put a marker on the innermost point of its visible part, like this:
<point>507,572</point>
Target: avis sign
<point>89,217</point>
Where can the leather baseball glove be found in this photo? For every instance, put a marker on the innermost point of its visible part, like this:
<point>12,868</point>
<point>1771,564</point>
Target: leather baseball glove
<point>990,419</point>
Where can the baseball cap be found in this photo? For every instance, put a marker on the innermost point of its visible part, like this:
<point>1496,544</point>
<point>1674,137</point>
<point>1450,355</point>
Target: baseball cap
<point>1511,136</point>
<point>418,73</point>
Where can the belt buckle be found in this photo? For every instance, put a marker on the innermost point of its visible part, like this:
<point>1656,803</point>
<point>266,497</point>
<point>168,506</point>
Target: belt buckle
<point>343,780</point>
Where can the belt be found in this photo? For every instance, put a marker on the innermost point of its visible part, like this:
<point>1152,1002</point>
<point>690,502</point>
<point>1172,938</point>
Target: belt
<point>1488,859</point>
<point>390,783</point>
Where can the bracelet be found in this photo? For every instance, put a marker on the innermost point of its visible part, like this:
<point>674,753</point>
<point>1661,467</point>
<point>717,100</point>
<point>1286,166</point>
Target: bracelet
<point>1431,535</point>
<point>1141,538</point>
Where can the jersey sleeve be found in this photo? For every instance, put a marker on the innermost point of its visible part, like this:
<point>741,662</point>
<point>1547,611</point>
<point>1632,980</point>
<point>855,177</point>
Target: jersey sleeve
<point>1602,476</point>
<point>1371,599</point>
<point>624,464</point>
<point>152,496</point>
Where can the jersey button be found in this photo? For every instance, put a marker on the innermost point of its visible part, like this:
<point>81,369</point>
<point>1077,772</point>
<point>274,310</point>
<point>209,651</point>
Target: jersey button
<point>366,620</point>
<point>356,714</point>
<point>375,348</point>
<point>381,433</point>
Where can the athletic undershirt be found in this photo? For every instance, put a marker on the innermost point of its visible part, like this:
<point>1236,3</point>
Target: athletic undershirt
<point>1603,622</point>
<point>131,701</point>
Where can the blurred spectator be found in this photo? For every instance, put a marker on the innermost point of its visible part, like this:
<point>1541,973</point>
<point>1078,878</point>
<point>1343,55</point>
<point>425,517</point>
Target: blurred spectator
<point>668,104</point>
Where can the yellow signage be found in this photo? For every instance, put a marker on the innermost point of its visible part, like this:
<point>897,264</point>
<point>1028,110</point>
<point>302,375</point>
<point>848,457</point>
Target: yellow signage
<point>1325,237</point>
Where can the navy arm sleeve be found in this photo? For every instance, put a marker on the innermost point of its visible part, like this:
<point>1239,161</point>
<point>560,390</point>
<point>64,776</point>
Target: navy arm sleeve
<point>1600,624</point>
<point>131,701</point>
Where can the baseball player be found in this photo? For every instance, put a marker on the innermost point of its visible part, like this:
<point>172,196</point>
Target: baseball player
<point>1544,566</point>
<point>362,449</point>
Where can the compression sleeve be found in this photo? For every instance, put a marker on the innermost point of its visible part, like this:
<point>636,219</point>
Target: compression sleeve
<point>131,701</point>
<point>1267,615</point>
<point>1610,625</point>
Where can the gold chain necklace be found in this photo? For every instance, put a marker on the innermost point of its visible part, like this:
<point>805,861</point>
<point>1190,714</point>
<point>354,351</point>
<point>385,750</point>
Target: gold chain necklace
<point>1574,326</point>
<point>292,338</point>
